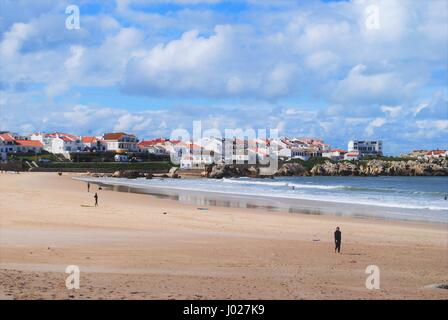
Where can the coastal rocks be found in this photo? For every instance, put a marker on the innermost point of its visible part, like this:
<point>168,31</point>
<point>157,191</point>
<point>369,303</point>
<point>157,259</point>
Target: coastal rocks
<point>291,169</point>
<point>174,172</point>
<point>334,169</point>
<point>418,167</point>
<point>148,176</point>
<point>130,174</point>
<point>116,174</point>
<point>253,172</point>
<point>373,168</point>
<point>231,171</point>
<point>433,167</point>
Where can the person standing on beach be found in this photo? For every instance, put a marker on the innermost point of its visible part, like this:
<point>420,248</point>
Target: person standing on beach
<point>88,186</point>
<point>96,199</point>
<point>337,240</point>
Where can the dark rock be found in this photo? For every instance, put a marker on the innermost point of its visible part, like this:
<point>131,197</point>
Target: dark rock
<point>291,169</point>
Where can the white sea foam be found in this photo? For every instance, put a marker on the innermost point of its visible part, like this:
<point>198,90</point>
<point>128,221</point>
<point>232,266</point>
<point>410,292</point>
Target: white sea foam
<point>227,187</point>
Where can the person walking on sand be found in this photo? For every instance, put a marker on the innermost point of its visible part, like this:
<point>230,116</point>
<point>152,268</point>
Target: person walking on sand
<point>88,186</point>
<point>96,199</point>
<point>337,240</point>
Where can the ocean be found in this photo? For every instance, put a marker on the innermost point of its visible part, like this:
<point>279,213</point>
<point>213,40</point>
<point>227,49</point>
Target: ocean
<point>396,198</point>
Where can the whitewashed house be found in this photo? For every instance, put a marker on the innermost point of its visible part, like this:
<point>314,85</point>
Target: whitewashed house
<point>436,154</point>
<point>28,146</point>
<point>366,148</point>
<point>305,153</point>
<point>121,142</point>
<point>160,146</point>
<point>194,156</point>
<point>352,155</point>
<point>280,148</point>
<point>334,154</point>
<point>7,143</point>
<point>93,144</point>
<point>59,143</point>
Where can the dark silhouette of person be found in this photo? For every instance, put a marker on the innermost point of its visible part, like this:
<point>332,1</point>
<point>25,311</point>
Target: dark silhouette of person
<point>88,186</point>
<point>337,240</point>
<point>96,199</point>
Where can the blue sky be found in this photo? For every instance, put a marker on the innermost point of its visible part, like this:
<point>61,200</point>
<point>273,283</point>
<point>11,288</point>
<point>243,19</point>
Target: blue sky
<point>306,68</point>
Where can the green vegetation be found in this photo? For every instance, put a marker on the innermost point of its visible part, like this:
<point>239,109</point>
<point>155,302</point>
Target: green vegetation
<point>113,166</point>
<point>34,157</point>
<point>368,158</point>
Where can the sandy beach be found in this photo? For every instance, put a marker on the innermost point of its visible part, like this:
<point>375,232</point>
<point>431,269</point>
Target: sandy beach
<point>136,246</point>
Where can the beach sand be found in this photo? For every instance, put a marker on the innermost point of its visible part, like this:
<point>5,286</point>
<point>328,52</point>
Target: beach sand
<point>136,246</point>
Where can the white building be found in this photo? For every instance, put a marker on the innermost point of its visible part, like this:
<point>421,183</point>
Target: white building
<point>58,143</point>
<point>352,155</point>
<point>279,148</point>
<point>93,144</point>
<point>305,153</point>
<point>160,147</point>
<point>334,154</point>
<point>366,148</point>
<point>436,154</point>
<point>28,146</point>
<point>193,156</point>
<point>7,143</point>
<point>121,142</point>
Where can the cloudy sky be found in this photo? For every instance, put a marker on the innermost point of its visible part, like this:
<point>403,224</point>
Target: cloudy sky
<point>338,70</point>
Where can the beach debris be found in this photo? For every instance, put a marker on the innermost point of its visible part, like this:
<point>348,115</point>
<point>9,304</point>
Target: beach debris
<point>202,209</point>
<point>165,213</point>
<point>316,240</point>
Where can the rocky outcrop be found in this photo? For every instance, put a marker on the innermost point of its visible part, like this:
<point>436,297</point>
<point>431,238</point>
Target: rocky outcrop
<point>174,172</point>
<point>432,167</point>
<point>291,169</point>
<point>225,171</point>
<point>230,171</point>
<point>131,174</point>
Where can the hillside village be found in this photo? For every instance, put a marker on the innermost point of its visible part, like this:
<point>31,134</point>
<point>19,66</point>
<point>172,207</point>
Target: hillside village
<point>123,147</point>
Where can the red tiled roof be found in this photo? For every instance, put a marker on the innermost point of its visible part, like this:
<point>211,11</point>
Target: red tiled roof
<point>7,137</point>
<point>88,139</point>
<point>147,143</point>
<point>63,136</point>
<point>436,152</point>
<point>116,136</point>
<point>29,143</point>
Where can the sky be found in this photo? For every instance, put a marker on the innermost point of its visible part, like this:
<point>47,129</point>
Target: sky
<point>336,70</point>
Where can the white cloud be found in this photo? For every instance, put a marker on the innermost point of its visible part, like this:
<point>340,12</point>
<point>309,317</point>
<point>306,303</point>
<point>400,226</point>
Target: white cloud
<point>392,111</point>
<point>376,123</point>
<point>252,67</point>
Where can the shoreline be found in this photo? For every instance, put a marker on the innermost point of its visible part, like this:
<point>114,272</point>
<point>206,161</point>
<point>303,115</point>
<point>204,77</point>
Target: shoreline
<point>270,202</point>
<point>136,246</point>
